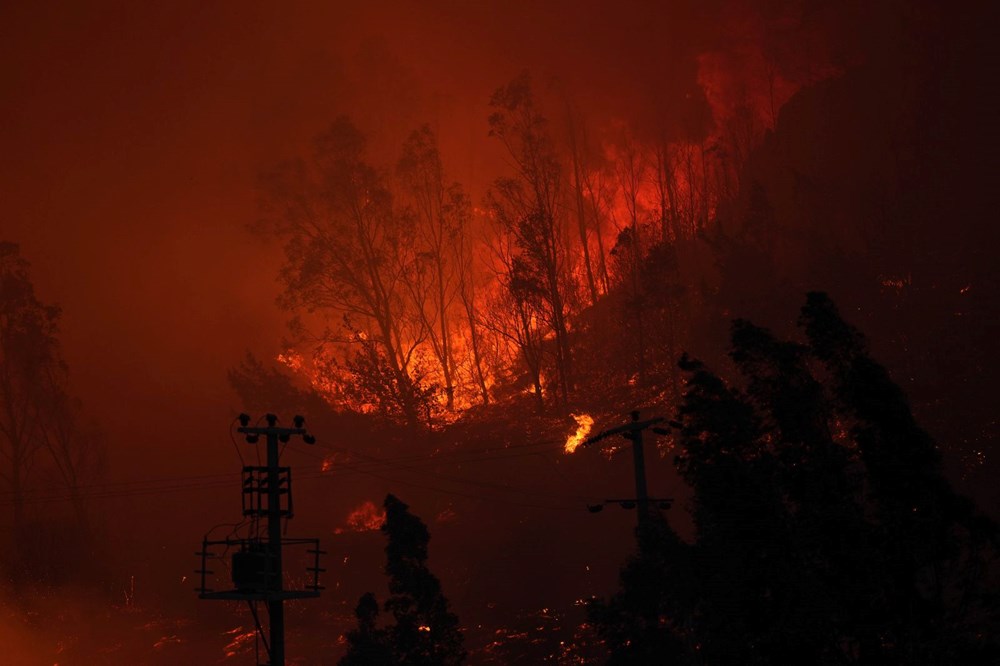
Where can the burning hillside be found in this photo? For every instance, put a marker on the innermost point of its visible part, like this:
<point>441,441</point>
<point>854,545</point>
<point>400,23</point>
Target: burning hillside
<point>461,238</point>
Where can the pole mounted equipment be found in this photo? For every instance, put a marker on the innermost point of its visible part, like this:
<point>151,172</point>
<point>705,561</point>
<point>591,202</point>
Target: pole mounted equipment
<point>632,431</point>
<point>257,566</point>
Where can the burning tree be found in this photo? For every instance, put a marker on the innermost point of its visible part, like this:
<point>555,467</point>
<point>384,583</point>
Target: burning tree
<point>586,185</point>
<point>514,314</point>
<point>348,255</point>
<point>443,214</point>
<point>528,210</point>
<point>631,170</point>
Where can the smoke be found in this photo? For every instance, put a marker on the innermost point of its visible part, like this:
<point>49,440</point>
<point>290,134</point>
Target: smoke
<point>134,135</point>
<point>20,648</point>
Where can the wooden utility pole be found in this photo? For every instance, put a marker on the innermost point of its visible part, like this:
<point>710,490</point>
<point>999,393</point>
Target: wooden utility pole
<point>257,568</point>
<point>633,431</point>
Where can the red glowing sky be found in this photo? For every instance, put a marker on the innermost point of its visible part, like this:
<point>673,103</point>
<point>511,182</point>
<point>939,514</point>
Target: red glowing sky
<point>133,135</point>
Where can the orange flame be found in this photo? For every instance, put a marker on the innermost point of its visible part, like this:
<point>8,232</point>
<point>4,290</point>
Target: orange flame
<point>583,423</point>
<point>366,518</point>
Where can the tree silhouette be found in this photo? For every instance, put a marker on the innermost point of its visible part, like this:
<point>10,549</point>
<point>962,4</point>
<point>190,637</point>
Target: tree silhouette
<point>528,210</point>
<point>264,387</point>
<point>45,439</point>
<point>637,623</point>
<point>367,645</point>
<point>442,214</point>
<point>933,545</point>
<point>348,252</point>
<point>825,530</point>
<point>28,356</point>
<point>425,632</point>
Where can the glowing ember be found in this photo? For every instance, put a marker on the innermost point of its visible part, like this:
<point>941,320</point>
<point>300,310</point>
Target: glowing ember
<point>292,359</point>
<point>446,516</point>
<point>583,423</point>
<point>242,640</point>
<point>365,518</point>
<point>167,640</point>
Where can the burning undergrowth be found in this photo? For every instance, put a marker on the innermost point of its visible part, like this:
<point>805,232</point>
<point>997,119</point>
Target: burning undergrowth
<point>367,517</point>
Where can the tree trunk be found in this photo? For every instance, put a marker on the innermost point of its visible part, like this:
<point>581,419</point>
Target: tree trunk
<point>581,215</point>
<point>476,355</point>
<point>445,355</point>
<point>602,265</point>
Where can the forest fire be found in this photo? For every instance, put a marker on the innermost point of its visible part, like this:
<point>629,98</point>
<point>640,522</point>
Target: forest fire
<point>584,422</point>
<point>476,312</point>
<point>453,236</point>
<point>488,301</point>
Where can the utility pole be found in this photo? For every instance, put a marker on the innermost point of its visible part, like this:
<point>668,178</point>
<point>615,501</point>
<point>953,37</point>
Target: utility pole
<point>257,568</point>
<point>633,431</point>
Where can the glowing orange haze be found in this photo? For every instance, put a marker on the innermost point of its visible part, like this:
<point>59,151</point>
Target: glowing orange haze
<point>668,192</point>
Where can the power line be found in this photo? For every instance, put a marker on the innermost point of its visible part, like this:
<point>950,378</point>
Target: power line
<point>486,484</point>
<point>150,481</point>
<point>122,493</point>
<point>125,489</point>
<point>454,492</point>
<point>153,490</point>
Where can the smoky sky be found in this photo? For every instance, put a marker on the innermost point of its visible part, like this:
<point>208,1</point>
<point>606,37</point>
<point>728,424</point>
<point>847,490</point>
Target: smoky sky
<point>133,135</point>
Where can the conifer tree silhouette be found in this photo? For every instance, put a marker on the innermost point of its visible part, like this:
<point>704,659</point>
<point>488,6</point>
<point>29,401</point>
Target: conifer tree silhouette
<point>826,532</point>
<point>425,632</point>
<point>367,645</point>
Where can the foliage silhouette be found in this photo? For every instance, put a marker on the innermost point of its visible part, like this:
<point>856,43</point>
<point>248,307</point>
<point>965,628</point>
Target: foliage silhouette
<point>527,209</point>
<point>45,439</point>
<point>425,632</point>
<point>367,645</point>
<point>825,530</point>
<point>348,252</point>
